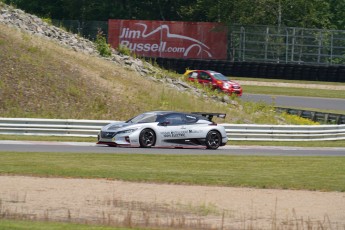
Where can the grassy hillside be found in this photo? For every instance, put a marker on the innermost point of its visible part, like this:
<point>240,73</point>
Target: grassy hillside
<point>41,79</point>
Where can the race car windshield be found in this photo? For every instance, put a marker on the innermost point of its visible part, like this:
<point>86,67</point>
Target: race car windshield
<point>143,118</point>
<point>219,76</point>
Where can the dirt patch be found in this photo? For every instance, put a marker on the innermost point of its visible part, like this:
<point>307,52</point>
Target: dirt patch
<point>144,204</point>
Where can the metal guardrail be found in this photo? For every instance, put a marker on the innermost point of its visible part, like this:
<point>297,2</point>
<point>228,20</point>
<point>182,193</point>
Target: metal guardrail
<point>285,132</point>
<point>51,127</point>
<point>90,128</point>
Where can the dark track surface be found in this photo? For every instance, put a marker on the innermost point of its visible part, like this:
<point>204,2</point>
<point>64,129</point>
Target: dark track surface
<point>83,147</point>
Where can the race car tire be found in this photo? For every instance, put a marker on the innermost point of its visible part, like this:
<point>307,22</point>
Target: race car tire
<point>147,138</point>
<point>213,139</point>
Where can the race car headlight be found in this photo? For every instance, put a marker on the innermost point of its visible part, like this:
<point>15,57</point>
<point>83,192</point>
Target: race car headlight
<point>127,131</point>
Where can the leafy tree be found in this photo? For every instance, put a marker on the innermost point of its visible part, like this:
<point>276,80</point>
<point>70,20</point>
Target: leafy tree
<point>297,13</point>
<point>44,8</point>
<point>307,13</point>
<point>337,9</point>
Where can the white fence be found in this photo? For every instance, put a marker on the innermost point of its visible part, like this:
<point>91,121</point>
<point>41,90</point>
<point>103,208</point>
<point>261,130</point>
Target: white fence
<point>90,128</point>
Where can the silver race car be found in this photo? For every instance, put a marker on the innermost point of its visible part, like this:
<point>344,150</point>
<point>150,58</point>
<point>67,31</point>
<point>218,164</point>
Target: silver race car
<point>166,129</point>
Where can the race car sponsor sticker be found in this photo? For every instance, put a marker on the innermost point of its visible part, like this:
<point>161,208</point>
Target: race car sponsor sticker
<point>175,133</point>
<point>179,133</point>
<point>195,131</point>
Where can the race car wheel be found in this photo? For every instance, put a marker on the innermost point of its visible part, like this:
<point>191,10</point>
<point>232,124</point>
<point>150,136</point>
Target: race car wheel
<point>213,139</point>
<point>147,138</point>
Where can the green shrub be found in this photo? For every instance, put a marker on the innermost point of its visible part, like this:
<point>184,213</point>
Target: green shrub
<point>124,50</point>
<point>48,20</point>
<point>101,44</point>
<point>294,119</point>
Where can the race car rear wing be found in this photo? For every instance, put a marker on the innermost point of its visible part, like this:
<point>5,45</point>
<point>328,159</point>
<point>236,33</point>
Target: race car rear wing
<point>210,116</point>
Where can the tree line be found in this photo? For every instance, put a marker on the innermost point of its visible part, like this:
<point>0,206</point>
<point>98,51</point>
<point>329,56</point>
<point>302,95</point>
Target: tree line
<point>322,14</point>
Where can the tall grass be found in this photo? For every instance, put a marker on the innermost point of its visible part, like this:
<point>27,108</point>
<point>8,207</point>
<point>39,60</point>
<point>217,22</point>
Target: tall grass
<point>137,216</point>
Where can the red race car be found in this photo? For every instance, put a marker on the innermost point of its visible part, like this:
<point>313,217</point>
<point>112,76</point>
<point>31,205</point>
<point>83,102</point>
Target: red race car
<point>215,80</point>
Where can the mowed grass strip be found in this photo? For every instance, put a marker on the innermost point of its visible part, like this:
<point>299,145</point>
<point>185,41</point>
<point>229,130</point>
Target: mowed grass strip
<point>307,173</point>
<point>18,224</point>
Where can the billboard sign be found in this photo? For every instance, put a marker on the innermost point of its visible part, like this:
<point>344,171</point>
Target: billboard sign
<point>197,40</point>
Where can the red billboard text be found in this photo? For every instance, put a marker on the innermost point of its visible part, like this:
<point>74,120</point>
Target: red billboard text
<point>197,40</point>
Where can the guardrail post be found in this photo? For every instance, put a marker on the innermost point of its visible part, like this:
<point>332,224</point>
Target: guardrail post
<point>326,117</point>
<point>313,116</point>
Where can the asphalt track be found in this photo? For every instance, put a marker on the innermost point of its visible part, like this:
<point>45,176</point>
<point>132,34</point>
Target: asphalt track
<point>298,102</point>
<point>87,147</point>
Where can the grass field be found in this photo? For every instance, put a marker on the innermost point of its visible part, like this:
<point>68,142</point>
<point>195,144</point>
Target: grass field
<point>307,173</point>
